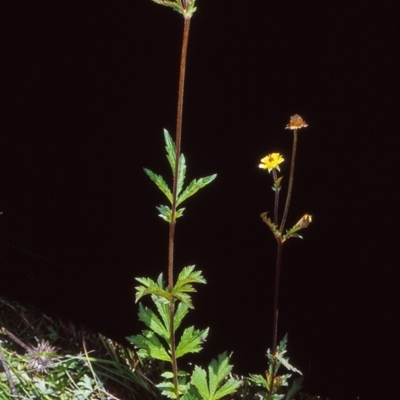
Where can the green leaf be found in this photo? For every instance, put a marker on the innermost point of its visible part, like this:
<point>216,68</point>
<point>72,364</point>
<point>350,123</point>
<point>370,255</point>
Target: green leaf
<point>180,313</point>
<point>274,228</point>
<point>188,275</point>
<point>150,287</point>
<point>151,320</point>
<point>149,346</point>
<point>159,181</point>
<point>230,386</point>
<point>199,380</point>
<point>194,187</point>
<point>181,174</point>
<point>191,341</point>
<point>167,389</point>
<point>218,370</point>
<point>171,150</point>
<point>259,380</point>
<point>285,363</point>
<point>165,213</point>
<point>183,284</point>
<point>177,6</point>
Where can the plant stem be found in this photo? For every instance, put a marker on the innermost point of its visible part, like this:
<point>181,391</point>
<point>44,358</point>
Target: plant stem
<point>276,307</point>
<point>179,118</point>
<point>276,296</point>
<point>276,205</point>
<point>290,187</point>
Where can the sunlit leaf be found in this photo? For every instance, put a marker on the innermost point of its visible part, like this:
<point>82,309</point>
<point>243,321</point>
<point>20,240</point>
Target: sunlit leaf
<point>149,346</point>
<point>191,341</point>
<point>180,313</point>
<point>151,320</point>
<point>150,287</point>
<point>218,370</point>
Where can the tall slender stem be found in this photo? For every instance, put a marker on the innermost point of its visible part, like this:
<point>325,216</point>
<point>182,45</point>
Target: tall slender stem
<point>276,205</point>
<point>178,140</point>
<point>290,187</point>
<point>276,296</point>
<point>276,309</point>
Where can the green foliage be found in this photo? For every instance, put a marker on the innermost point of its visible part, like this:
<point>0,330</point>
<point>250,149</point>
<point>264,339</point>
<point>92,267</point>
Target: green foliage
<point>217,385</point>
<point>179,291</point>
<point>182,194</point>
<point>184,7</point>
<point>272,382</point>
<point>156,341</point>
<point>43,357</point>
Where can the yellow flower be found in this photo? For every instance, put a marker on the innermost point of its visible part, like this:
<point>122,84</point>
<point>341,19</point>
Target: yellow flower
<point>271,161</point>
<point>296,122</point>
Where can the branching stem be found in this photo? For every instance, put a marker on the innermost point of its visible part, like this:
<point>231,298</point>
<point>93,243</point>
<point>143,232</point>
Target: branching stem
<point>279,254</point>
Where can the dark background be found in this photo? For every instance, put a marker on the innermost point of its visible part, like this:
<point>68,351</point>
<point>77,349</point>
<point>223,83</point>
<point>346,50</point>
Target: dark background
<point>87,88</point>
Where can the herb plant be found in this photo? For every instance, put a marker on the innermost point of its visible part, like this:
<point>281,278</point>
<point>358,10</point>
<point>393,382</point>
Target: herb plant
<point>173,300</point>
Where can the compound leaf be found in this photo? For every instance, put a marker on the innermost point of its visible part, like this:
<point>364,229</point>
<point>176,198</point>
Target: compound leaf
<point>218,370</point>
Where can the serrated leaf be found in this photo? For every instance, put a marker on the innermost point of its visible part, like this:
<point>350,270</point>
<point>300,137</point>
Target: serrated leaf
<point>183,284</point>
<point>188,396</point>
<point>151,287</point>
<point>181,174</point>
<point>167,389</point>
<point>165,213</point>
<point>180,313</point>
<point>185,299</point>
<point>151,320</point>
<point>159,181</point>
<point>259,380</point>
<point>229,387</point>
<point>171,156</point>
<point>177,6</point>
<point>163,311</point>
<point>285,363</point>
<point>188,275</point>
<point>149,346</point>
<point>171,150</point>
<point>191,341</point>
<point>194,187</point>
<point>199,380</point>
<point>218,370</point>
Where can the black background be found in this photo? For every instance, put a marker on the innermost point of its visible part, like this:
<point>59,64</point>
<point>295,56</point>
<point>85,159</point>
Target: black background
<point>87,89</point>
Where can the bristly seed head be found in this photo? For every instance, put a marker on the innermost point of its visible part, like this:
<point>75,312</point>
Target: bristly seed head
<point>296,122</point>
<point>42,356</point>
